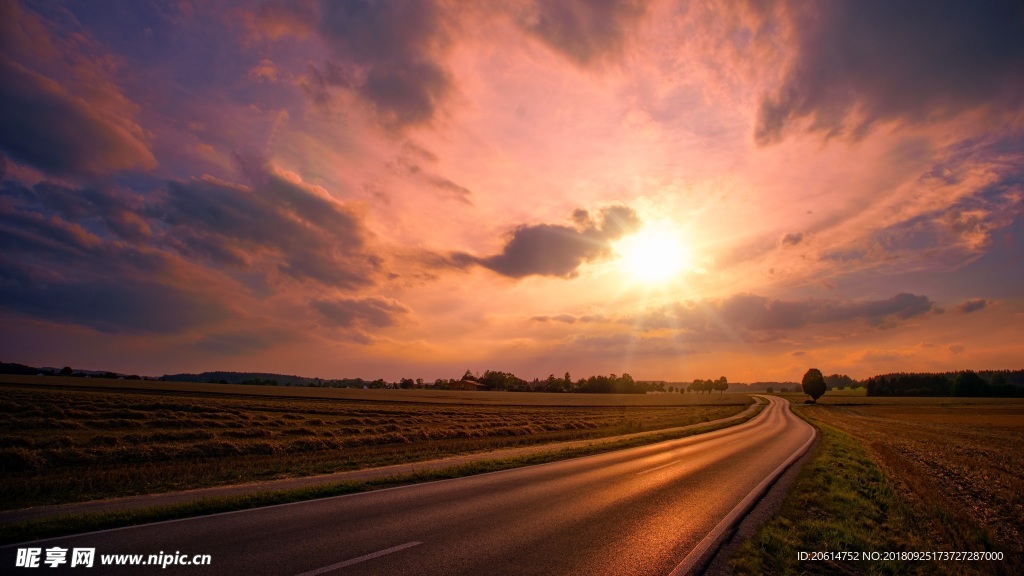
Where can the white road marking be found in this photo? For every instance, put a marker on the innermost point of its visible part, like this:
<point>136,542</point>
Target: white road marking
<point>656,468</point>
<point>370,556</point>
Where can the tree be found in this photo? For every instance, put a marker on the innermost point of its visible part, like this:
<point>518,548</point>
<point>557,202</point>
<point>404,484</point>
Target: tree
<point>771,390</point>
<point>970,384</point>
<point>721,385</point>
<point>814,384</point>
<point>66,371</point>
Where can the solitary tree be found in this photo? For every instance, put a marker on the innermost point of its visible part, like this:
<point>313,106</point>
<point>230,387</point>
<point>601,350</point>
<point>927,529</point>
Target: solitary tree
<point>814,384</point>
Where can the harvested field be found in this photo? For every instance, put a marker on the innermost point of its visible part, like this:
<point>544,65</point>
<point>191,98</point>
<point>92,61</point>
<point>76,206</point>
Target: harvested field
<point>860,398</point>
<point>64,445</point>
<point>960,458</point>
<point>380,395</point>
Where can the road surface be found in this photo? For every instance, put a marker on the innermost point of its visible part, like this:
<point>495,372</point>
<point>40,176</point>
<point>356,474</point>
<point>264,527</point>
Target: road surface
<point>635,511</point>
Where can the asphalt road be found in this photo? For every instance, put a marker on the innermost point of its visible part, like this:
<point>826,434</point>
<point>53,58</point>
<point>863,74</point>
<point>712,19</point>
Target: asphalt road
<point>636,511</point>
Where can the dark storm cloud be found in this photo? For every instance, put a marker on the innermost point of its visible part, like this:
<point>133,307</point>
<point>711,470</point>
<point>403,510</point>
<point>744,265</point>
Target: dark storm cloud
<point>558,250</point>
<point>114,260</point>
<point>111,304</point>
<point>309,235</point>
<point>59,271</point>
<point>372,311</point>
<point>859,63</point>
<point>116,210</point>
<point>45,126</point>
<point>387,52</point>
<point>584,31</point>
<point>972,305</point>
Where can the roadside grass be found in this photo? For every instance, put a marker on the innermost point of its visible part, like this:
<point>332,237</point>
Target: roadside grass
<point>68,445</point>
<point>843,501</point>
<point>80,523</point>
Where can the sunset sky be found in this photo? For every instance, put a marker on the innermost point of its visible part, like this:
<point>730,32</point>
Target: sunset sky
<point>672,189</point>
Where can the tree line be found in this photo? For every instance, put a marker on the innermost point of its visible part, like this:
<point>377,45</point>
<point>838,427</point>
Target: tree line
<point>597,384</point>
<point>720,385</point>
<point>966,383</point>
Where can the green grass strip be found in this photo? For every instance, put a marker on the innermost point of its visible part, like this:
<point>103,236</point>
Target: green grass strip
<point>65,524</point>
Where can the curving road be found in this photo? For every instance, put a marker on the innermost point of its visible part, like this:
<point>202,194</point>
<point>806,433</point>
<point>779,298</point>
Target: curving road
<point>636,511</point>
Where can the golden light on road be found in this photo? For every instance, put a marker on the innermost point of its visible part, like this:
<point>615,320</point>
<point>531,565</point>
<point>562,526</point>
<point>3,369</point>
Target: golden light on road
<point>655,254</point>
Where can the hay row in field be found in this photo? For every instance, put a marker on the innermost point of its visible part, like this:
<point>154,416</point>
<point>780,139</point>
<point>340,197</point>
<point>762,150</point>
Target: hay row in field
<point>70,444</point>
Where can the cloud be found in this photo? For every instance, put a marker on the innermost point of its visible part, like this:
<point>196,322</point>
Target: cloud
<point>111,304</point>
<point>44,125</point>
<point>559,250</point>
<point>372,311</point>
<point>972,305</point>
<point>264,71</point>
<point>584,31</point>
<point>950,233</point>
<point>753,317</point>
<point>56,270</point>
<point>637,345</point>
<point>564,318</point>
<point>792,239</point>
<point>277,19</point>
<point>241,342</point>
<point>861,63</point>
<point>757,313</point>
<point>873,356</point>
<point>116,210</point>
<point>191,255</point>
<point>279,220</point>
<point>406,167</point>
<point>389,53</point>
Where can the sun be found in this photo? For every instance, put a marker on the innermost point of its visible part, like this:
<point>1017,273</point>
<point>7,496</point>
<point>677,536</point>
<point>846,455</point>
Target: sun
<point>655,254</point>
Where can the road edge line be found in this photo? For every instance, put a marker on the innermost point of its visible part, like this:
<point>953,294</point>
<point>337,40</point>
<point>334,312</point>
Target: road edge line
<point>698,558</point>
<point>363,558</point>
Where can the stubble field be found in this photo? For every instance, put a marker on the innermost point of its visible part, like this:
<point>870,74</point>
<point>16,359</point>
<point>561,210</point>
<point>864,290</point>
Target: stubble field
<point>965,461</point>
<point>65,445</point>
<point>905,475</point>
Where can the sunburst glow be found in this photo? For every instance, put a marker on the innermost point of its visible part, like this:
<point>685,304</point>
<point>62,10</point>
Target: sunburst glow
<point>655,254</point>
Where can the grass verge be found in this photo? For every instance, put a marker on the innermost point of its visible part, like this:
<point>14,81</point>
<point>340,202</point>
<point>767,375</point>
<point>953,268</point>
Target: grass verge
<point>78,523</point>
<point>841,501</point>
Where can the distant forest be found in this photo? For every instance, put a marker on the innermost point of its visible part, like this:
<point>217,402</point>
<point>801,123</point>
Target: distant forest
<point>995,383</point>
<point>1001,383</point>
